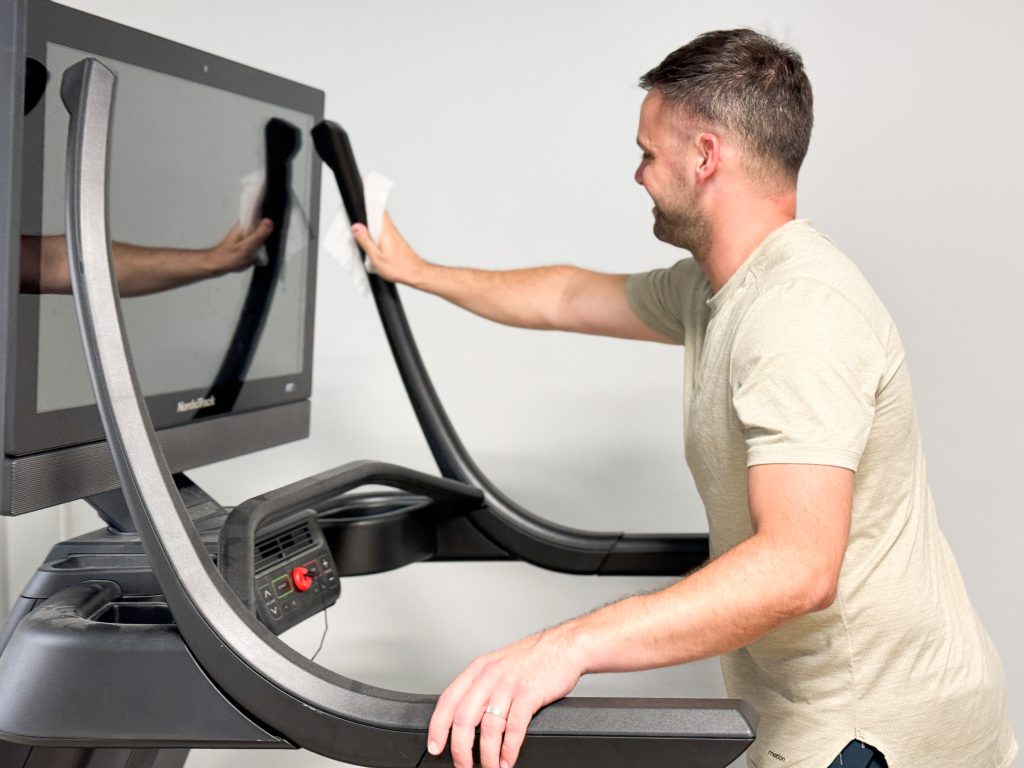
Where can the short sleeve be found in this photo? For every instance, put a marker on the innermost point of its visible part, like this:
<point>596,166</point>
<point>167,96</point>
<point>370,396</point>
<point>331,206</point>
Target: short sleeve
<point>805,371</point>
<point>661,298</point>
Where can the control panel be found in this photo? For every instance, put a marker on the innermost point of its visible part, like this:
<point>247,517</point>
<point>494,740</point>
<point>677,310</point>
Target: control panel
<point>295,575</point>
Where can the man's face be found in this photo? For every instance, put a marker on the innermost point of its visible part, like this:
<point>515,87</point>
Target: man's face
<point>666,171</point>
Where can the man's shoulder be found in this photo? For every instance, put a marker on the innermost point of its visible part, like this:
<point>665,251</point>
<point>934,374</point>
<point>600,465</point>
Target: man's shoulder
<point>807,283</point>
<point>801,251</point>
<point>806,262</point>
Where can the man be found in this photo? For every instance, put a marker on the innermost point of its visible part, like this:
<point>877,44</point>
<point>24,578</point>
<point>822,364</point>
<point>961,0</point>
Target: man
<point>831,592</point>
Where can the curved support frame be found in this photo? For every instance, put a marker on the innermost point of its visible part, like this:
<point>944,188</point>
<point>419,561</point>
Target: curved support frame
<point>252,665</point>
<point>502,520</point>
<point>303,702</point>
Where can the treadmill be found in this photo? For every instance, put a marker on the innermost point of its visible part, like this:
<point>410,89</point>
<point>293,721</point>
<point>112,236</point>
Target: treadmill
<point>159,634</point>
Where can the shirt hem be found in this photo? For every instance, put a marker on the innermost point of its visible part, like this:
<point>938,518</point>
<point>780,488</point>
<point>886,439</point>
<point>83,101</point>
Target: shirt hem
<point>787,455</point>
<point>829,753</point>
<point>813,759</point>
<point>1011,754</point>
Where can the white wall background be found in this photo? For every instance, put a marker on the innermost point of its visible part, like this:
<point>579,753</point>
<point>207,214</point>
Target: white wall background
<point>509,129</point>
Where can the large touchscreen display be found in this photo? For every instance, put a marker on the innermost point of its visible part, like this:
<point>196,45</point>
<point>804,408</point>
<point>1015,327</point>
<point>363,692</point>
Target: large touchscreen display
<point>186,162</point>
<point>194,170</point>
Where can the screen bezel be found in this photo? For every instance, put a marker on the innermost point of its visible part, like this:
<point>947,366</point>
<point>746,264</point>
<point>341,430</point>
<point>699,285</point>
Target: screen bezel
<point>29,431</point>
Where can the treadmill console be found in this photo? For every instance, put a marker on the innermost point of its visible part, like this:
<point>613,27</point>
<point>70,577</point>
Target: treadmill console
<point>294,572</point>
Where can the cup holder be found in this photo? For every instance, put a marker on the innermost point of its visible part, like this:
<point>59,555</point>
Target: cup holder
<point>135,613</point>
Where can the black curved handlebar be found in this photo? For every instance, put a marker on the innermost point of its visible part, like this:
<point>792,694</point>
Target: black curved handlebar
<point>506,523</point>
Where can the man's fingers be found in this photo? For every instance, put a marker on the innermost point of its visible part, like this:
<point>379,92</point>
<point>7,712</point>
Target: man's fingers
<point>523,708</point>
<point>444,711</point>
<point>500,692</point>
<point>372,250</point>
<point>468,715</point>
<point>234,233</point>
<point>255,238</point>
<point>441,721</point>
<point>362,236</point>
<point>492,727</point>
<point>389,232</point>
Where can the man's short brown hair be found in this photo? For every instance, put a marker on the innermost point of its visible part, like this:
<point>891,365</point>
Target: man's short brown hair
<point>748,84</point>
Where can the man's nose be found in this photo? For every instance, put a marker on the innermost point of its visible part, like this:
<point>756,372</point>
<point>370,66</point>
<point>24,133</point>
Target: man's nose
<point>638,175</point>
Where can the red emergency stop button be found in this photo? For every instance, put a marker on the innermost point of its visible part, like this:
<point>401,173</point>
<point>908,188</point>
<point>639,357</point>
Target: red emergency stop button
<point>301,578</point>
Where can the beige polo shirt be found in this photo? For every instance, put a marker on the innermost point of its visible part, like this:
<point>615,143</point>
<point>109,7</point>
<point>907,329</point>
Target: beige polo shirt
<point>795,360</point>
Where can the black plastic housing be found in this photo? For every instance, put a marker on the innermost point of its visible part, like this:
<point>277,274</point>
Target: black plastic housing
<point>79,666</point>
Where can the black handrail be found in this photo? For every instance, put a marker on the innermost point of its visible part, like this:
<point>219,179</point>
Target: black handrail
<point>509,525</point>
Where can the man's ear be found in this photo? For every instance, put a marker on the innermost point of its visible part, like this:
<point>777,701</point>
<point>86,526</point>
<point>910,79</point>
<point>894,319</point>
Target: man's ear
<point>709,154</point>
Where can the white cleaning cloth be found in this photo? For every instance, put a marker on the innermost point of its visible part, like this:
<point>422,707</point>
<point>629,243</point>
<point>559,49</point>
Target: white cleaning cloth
<point>253,186</point>
<point>249,201</point>
<point>338,242</point>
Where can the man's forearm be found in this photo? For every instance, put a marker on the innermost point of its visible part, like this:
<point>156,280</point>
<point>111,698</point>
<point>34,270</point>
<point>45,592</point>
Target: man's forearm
<point>743,595</point>
<point>525,298</point>
<point>732,601</point>
<point>788,568</point>
<point>551,298</point>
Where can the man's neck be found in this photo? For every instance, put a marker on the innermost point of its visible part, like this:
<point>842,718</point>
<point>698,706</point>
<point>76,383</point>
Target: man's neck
<point>737,231</point>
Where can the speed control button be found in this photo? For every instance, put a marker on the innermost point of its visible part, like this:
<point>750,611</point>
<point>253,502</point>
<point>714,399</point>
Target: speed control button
<point>282,586</point>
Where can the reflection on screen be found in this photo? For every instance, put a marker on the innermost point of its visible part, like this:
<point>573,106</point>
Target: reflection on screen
<point>188,161</point>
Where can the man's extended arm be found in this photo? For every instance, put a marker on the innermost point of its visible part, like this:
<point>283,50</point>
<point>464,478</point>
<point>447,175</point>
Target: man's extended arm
<point>141,270</point>
<point>560,298</point>
<point>789,567</point>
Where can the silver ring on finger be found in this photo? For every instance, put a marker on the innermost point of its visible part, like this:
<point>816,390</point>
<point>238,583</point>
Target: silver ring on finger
<point>496,711</point>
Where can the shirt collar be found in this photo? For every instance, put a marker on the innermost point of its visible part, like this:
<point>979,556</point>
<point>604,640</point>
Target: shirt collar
<point>759,254</point>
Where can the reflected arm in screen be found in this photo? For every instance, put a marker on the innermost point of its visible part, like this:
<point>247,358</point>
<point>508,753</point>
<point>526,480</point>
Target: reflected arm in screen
<point>142,270</point>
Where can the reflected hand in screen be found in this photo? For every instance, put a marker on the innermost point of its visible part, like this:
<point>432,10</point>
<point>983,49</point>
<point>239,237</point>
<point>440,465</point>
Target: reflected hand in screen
<point>237,252</point>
